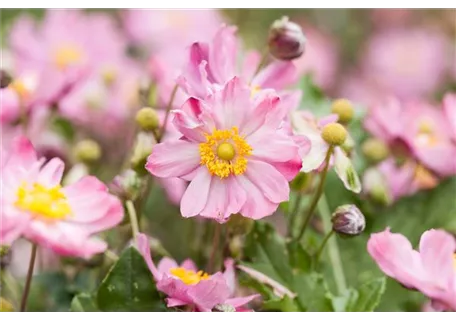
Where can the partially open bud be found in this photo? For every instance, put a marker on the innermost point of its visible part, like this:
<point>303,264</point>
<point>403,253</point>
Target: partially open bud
<point>239,225</point>
<point>286,40</point>
<point>344,109</point>
<point>375,150</point>
<point>5,306</point>
<point>126,186</point>
<point>147,119</point>
<point>348,220</point>
<point>334,134</point>
<point>142,150</point>
<point>5,79</point>
<point>87,151</point>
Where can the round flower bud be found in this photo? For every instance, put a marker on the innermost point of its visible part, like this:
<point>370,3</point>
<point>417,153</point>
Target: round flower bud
<point>141,151</point>
<point>334,134</point>
<point>5,79</point>
<point>348,220</point>
<point>87,151</point>
<point>344,109</point>
<point>147,119</point>
<point>239,225</point>
<point>126,186</point>
<point>286,40</point>
<point>5,306</point>
<point>375,150</point>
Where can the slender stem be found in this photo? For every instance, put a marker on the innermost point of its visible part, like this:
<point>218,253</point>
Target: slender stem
<point>322,246</point>
<point>28,281</point>
<point>111,255</point>
<point>215,244</point>
<point>294,213</point>
<point>317,194</point>
<point>133,219</point>
<point>264,59</point>
<point>333,248</point>
<point>168,109</point>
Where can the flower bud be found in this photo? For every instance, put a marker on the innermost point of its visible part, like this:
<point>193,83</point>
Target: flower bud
<point>375,150</point>
<point>5,306</point>
<point>147,119</point>
<point>334,134</point>
<point>126,186</point>
<point>235,246</point>
<point>300,182</point>
<point>5,79</point>
<point>286,40</point>
<point>87,151</point>
<point>224,308</point>
<point>348,220</point>
<point>239,225</point>
<point>142,150</point>
<point>344,109</point>
<point>374,184</point>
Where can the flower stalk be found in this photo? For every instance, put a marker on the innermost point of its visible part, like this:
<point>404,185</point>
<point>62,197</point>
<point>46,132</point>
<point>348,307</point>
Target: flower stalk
<point>28,280</point>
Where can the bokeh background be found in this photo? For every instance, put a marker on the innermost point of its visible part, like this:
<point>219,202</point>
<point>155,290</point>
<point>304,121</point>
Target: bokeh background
<point>363,55</point>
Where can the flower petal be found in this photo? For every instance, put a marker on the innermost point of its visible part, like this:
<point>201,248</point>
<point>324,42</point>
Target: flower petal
<point>51,173</point>
<point>276,75</point>
<point>222,54</point>
<point>166,264</point>
<point>173,159</point>
<point>196,196</point>
<point>345,170</point>
<point>142,243</point>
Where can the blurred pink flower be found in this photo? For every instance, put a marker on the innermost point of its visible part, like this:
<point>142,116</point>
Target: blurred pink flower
<point>430,270</point>
<point>63,49</point>
<point>233,153</point>
<point>407,62</point>
<point>361,89</point>
<point>449,106</point>
<point>186,286</point>
<point>36,206</point>
<point>320,58</point>
<point>386,18</point>
<point>306,126</point>
<point>211,65</point>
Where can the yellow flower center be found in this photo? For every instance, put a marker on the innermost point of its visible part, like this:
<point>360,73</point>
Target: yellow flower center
<point>188,276</point>
<point>67,55</point>
<point>426,135</point>
<point>225,152</point>
<point>43,202</point>
<point>254,90</point>
<point>20,88</point>
<point>425,179</point>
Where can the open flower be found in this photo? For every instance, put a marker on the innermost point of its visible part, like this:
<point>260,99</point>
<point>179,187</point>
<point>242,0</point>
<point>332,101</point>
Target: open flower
<point>431,270</point>
<point>35,204</point>
<point>233,153</point>
<point>186,286</point>
<point>211,65</point>
<point>305,124</point>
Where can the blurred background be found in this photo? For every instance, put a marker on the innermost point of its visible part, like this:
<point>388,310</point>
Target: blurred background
<point>362,55</point>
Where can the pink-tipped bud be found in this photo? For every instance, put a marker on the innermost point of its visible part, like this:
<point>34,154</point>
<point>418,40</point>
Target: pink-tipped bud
<point>286,39</point>
<point>348,220</point>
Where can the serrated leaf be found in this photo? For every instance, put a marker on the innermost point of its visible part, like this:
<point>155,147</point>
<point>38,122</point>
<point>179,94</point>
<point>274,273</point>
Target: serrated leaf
<point>129,286</point>
<point>83,302</point>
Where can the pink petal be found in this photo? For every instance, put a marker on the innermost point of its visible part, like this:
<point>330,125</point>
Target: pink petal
<point>189,265</point>
<point>395,256</point>
<point>436,250</point>
<point>440,158</point>
<point>194,79</point>
<point>269,181</point>
<point>229,105</point>
<point>196,195</point>
<point>189,120</point>
<point>171,302</point>
<point>84,186</point>
<point>449,107</point>
<point>22,153</point>
<point>273,147</point>
<point>142,243</point>
<point>276,75</point>
<point>165,265</point>
<point>51,173</point>
<point>266,113</point>
<point>290,100</point>
<point>173,159</point>
<point>226,197</point>
<point>230,275</point>
<point>208,293</point>
<point>238,302</point>
<point>223,54</point>
<point>250,64</point>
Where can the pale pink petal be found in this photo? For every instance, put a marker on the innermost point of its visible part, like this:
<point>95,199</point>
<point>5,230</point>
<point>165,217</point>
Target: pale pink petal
<point>142,243</point>
<point>290,100</point>
<point>223,54</point>
<point>22,153</point>
<point>173,159</point>
<point>276,75</point>
<point>250,64</point>
<point>51,173</point>
<point>273,147</point>
<point>230,275</point>
<point>439,158</point>
<point>230,105</point>
<point>10,106</point>
<point>189,120</point>
<point>208,293</point>
<point>197,193</point>
<point>238,302</point>
<point>166,264</point>
<point>194,79</point>
<point>171,302</point>
<point>83,186</point>
<point>189,265</point>
<point>449,106</point>
<point>332,118</point>
<point>316,155</point>
<point>395,256</point>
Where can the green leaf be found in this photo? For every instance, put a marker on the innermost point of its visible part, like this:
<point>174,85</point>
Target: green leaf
<point>300,260</point>
<point>312,292</point>
<point>129,286</point>
<point>363,299</point>
<point>285,304</point>
<point>83,302</point>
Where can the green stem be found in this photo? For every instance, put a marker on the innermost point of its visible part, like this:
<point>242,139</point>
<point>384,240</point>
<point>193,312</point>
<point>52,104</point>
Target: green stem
<point>294,213</point>
<point>133,219</point>
<point>28,281</point>
<point>168,109</point>
<point>317,194</point>
<point>322,246</point>
<point>333,249</point>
